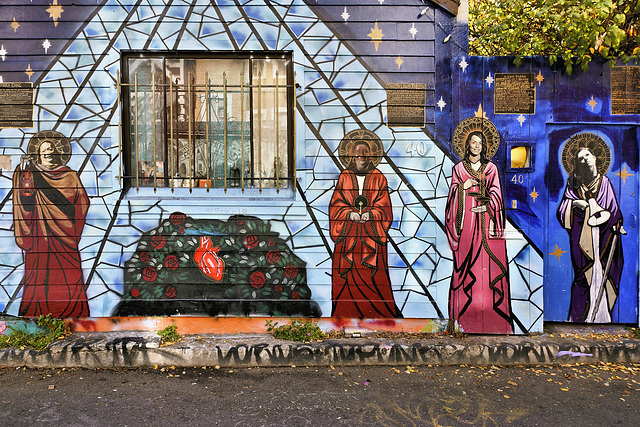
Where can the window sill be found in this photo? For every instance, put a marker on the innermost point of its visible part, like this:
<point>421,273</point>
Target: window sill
<point>234,194</point>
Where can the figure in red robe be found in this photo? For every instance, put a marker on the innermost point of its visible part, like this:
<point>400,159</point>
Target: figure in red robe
<point>479,297</point>
<point>49,209</point>
<point>360,215</point>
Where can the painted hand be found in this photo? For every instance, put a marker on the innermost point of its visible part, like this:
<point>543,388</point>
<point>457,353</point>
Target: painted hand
<point>469,183</point>
<point>580,204</point>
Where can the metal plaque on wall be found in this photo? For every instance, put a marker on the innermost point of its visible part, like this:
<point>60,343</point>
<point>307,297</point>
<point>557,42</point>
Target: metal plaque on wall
<point>16,105</point>
<point>625,90</point>
<point>514,93</point>
<point>406,104</point>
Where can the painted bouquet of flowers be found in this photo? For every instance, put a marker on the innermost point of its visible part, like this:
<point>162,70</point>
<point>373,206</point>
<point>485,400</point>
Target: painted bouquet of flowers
<point>213,267</point>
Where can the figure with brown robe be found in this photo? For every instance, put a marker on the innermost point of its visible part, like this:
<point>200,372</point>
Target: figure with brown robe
<point>360,215</point>
<point>49,209</point>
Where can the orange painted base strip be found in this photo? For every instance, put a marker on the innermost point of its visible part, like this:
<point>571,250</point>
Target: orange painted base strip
<point>248,325</point>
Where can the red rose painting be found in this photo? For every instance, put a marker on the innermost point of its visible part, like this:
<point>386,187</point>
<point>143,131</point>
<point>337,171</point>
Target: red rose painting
<point>291,271</point>
<point>149,274</point>
<point>250,241</point>
<point>257,279</point>
<point>158,241</point>
<point>171,262</point>
<point>273,257</point>
<point>177,218</point>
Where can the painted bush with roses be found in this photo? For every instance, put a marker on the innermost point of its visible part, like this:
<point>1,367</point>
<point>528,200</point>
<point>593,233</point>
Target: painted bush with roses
<point>255,271</point>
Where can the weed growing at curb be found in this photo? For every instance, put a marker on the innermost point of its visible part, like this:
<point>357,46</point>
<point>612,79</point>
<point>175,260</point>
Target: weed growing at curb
<point>169,334</point>
<point>54,329</point>
<point>635,332</point>
<point>297,330</point>
<point>453,329</point>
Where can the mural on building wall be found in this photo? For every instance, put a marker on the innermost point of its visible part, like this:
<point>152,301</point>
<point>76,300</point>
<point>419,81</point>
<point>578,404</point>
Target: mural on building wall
<point>360,215</point>
<point>49,210</point>
<point>590,213</point>
<point>349,65</point>
<point>479,297</point>
<point>347,68</point>
<point>211,267</point>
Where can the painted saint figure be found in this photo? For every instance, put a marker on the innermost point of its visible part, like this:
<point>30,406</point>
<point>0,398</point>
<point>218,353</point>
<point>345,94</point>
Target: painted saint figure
<point>49,209</point>
<point>359,216</point>
<point>590,213</point>
<point>479,298</point>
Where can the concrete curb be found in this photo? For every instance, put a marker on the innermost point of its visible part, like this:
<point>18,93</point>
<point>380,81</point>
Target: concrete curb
<point>143,350</point>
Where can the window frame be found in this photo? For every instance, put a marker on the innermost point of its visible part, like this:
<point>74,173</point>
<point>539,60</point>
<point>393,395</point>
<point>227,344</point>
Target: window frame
<point>531,153</point>
<point>128,143</point>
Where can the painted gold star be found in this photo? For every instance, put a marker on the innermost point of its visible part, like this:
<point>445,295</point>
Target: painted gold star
<point>592,103</point>
<point>624,174</point>
<point>55,11</point>
<point>480,113</point>
<point>15,25</point>
<point>557,252</point>
<point>399,61</point>
<point>539,78</point>
<point>534,194</point>
<point>29,71</point>
<point>376,36</point>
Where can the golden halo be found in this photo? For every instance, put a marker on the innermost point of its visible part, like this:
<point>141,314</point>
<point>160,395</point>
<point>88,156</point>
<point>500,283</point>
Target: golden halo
<point>594,143</point>
<point>60,142</point>
<point>345,148</point>
<point>475,124</point>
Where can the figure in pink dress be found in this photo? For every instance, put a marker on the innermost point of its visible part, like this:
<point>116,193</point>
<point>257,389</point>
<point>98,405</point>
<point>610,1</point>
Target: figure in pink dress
<point>479,299</point>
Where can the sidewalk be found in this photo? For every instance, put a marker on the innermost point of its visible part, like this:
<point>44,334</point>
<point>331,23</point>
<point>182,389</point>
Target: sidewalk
<point>560,344</point>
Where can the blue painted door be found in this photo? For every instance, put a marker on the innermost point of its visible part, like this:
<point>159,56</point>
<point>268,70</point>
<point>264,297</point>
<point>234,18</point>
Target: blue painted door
<point>591,254</point>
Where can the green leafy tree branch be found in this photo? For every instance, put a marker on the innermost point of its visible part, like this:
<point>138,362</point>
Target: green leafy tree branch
<point>575,31</point>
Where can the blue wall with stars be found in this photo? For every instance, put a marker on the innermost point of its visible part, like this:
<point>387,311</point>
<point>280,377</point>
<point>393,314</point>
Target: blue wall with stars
<point>565,105</point>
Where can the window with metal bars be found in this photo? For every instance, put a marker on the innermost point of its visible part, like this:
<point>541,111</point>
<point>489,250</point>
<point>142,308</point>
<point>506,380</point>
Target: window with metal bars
<point>212,120</point>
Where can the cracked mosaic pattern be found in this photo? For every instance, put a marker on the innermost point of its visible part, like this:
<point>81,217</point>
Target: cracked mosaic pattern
<point>338,94</point>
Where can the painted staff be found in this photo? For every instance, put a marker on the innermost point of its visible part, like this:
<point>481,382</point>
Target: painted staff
<point>617,231</point>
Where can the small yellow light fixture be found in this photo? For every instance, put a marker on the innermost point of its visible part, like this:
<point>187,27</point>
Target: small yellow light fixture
<point>520,157</point>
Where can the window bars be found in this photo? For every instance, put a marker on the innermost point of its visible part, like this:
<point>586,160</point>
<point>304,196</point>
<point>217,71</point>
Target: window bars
<point>168,133</point>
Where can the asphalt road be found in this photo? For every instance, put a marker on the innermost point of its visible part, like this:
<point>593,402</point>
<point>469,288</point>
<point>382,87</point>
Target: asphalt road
<point>582,395</point>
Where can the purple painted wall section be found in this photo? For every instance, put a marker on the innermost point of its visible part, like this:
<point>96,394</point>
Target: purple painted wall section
<point>566,108</point>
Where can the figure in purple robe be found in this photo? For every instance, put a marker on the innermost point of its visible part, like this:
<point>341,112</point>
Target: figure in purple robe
<point>590,213</point>
<point>479,297</point>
